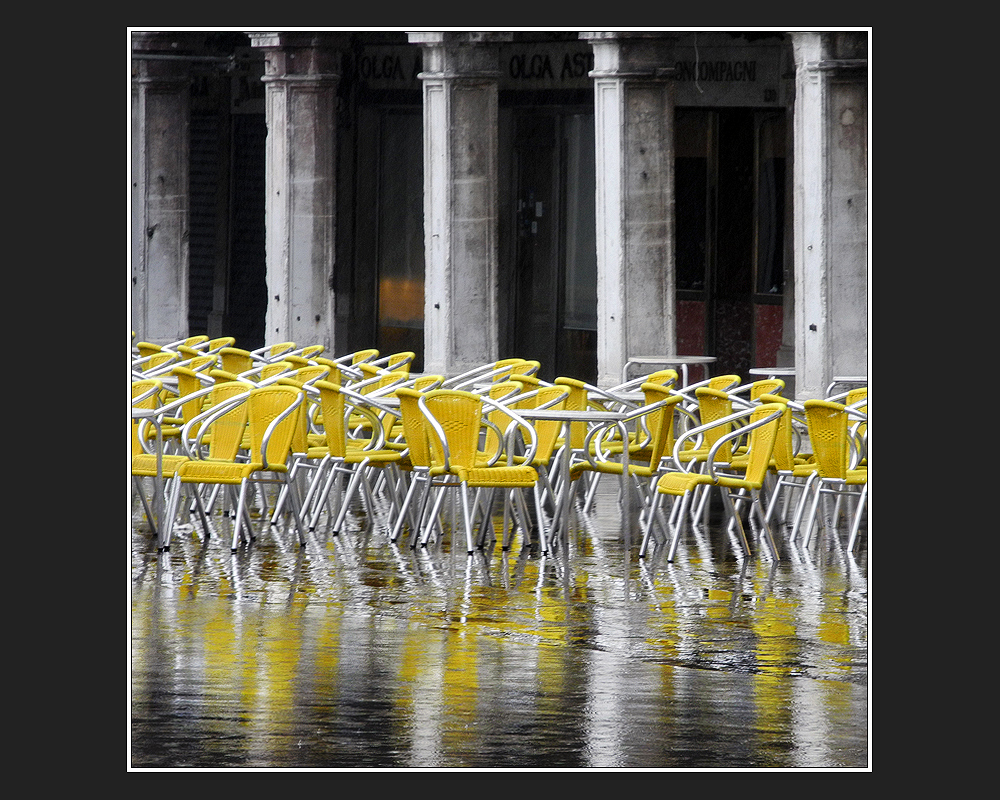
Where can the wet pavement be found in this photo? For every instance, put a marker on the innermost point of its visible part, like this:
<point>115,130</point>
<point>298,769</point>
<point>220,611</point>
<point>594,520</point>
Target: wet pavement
<point>355,653</point>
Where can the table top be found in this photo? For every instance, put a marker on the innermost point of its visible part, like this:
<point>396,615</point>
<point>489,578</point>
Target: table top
<point>777,371</point>
<point>671,359</point>
<point>567,415</point>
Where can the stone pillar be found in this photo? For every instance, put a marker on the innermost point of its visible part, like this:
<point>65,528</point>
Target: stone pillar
<point>830,202</point>
<point>460,79</point>
<point>634,111</point>
<point>160,153</point>
<point>301,74</point>
<point>811,202</point>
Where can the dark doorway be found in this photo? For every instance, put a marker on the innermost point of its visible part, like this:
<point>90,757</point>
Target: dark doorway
<point>554,285</point>
<point>729,213</point>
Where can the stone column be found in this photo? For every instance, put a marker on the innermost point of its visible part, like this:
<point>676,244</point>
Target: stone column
<point>634,110</point>
<point>301,73</point>
<point>460,79</point>
<point>811,202</point>
<point>160,153</point>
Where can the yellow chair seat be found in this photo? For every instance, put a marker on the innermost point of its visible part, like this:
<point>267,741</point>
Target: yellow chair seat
<point>227,472</point>
<point>145,465</point>
<point>501,477</point>
<point>677,483</point>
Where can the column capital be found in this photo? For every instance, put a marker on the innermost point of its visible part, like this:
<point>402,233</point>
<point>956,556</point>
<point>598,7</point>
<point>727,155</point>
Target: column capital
<point>637,55</point>
<point>466,55</point>
<point>162,57</point>
<point>304,55</point>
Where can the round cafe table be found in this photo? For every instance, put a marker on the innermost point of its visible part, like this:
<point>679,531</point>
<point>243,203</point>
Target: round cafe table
<point>773,372</point>
<point>670,361</point>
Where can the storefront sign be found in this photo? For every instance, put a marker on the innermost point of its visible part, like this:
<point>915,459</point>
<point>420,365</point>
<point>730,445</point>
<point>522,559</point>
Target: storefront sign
<point>705,76</point>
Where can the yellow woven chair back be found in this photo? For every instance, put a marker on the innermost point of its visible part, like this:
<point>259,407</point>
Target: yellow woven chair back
<point>664,377</point>
<point>159,359</point>
<point>660,423</point>
<point>400,362</point>
<point>335,374</point>
<point>577,400</point>
<point>312,351</point>
<point>722,383</point>
<point>426,382</point>
<point>189,382</point>
<point>501,392</point>
<point>362,356</point>
<point>503,369</point>
<point>713,405</point>
<point>414,426</point>
<point>277,352</point>
<point>761,443</point>
<point>235,360</point>
<point>547,430</point>
<point>265,405</point>
<point>783,453</point>
<point>276,368</point>
<point>772,386</point>
<point>333,409</point>
<point>149,390</point>
<point>460,415</point>
<point>524,367</point>
<point>147,349</point>
<point>227,432</point>
<point>827,422</point>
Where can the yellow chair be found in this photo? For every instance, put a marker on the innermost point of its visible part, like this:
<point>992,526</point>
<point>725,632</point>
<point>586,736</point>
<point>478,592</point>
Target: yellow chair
<point>272,419</point>
<point>155,364</point>
<point>396,362</point>
<point>346,365</point>
<point>344,453</point>
<point>303,377</point>
<point>191,380</point>
<point>274,352</point>
<point>236,361</point>
<point>762,427</point>
<point>147,464</point>
<point>455,419</point>
<point>544,460</point>
<point>149,348</point>
<point>656,418</point>
<point>789,469</point>
<point>146,395</point>
<point>207,348</point>
<point>495,372</point>
<point>418,462</point>
<point>524,391</point>
<point>311,351</point>
<point>830,437</point>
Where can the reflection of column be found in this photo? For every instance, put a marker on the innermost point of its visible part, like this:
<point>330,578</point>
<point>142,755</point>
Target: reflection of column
<point>633,99</point>
<point>460,198</point>
<point>161,116</point>
<point>301,74</point>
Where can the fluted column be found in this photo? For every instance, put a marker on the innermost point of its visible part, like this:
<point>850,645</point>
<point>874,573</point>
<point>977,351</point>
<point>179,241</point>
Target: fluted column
<point>460,77</point>
<point>301,74</point>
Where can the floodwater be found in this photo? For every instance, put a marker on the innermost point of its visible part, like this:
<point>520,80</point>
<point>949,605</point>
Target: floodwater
<point>355,653</point>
